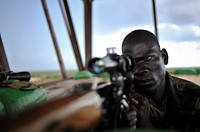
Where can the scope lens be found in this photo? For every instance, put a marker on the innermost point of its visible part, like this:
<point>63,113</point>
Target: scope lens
<point>96,66</point>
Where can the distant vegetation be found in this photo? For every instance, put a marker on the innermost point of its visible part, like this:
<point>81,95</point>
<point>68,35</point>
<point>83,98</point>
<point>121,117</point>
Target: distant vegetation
<point>185,71</point>
<point>40,77</point>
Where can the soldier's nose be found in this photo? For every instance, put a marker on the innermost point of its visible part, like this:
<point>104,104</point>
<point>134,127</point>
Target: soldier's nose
<point>141,71</point>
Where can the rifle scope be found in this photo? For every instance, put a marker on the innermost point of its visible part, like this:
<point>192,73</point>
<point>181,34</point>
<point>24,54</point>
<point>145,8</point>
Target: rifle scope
<point>111,63</point>
<point>21,76</point>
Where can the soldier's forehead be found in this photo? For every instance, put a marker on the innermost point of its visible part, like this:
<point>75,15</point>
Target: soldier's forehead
<point>140,48</point>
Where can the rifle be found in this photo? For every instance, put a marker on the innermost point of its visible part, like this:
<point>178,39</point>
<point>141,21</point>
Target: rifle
<point>78,111</point>
<point>72,111</point>
<point>115,96</point>
<point>83,109</point>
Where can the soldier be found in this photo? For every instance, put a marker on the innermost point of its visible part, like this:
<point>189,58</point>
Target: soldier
<point>160,100</point>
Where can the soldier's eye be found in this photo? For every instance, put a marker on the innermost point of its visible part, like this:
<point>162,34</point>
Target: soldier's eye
<point>148,58</point>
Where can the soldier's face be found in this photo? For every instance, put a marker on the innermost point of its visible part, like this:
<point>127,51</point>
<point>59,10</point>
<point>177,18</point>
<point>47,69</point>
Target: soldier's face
<point>149,69</point>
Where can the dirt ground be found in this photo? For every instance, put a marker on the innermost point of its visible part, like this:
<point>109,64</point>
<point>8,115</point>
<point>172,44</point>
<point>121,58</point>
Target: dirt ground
<point>193,78</point>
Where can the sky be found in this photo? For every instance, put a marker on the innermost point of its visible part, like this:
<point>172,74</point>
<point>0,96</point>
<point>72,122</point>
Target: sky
<point>28,43</point>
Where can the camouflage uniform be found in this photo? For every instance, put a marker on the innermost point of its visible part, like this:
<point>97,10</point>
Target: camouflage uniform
<point>180,108</point>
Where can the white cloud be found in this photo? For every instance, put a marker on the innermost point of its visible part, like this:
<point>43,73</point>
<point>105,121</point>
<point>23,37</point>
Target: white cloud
<point>101,42</point>
<point>173,32</point>
<point>115,39</point>
<point>181,53</point>
<point>196,30</point>
<point>168,25</point>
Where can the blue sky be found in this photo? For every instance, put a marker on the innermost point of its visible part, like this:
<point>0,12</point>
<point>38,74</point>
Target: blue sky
<point>29,45</point>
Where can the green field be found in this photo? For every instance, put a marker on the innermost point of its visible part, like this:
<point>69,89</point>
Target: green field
<point>40,77</point>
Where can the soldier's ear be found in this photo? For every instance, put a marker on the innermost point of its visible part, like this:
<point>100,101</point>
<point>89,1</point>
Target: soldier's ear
<point>164,55</point>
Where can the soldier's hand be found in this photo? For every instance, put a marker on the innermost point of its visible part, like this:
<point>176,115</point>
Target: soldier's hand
<point>140,105</point>
<point>131,117</point>
<point>130,113</point>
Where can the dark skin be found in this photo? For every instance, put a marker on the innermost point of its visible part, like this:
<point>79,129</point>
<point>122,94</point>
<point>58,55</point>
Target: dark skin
<point>149,76</point>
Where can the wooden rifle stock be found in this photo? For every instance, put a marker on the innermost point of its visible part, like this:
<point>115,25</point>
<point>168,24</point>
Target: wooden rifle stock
<point>77,112</point>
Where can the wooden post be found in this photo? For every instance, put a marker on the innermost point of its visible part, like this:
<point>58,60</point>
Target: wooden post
<point>155,19</point>
<point>64,75</point>
<point>88,30</point>
<point>70,28</point>
<point>4,66</point>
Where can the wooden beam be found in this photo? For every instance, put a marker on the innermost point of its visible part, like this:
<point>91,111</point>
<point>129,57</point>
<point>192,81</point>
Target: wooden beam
<point>4,66</point>
<point>55,42</point>
<point>88,30</point>
<point>155,18</point>
<point>72,35</point>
